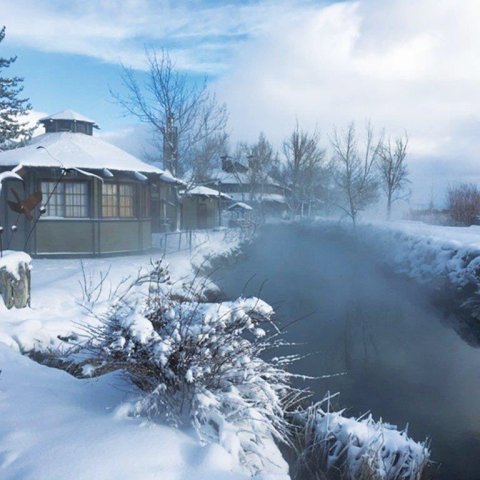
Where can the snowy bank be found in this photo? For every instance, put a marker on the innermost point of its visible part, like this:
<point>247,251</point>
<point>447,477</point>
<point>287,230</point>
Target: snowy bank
<point>357,448</point>
<point>54,427</point>
<point>436,256</point>
<point>429,254</point>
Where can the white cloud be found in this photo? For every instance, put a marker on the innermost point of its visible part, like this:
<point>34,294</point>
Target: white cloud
<point>201,36</point>
<point>405,64</point>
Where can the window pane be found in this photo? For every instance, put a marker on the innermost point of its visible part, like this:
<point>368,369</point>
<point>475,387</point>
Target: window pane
<point>76,200</point>
<point>53,198</point>
<point>109,200</point>
<point>147,196</point>
<point>127,200</point>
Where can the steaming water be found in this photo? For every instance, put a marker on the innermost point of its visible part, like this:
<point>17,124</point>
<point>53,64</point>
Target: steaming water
<point>403,360</point>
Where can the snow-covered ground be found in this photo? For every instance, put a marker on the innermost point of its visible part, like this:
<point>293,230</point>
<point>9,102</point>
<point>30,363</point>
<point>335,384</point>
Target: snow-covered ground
<point>55,426</point>
<point>57,289</point>
<point>428,253</point>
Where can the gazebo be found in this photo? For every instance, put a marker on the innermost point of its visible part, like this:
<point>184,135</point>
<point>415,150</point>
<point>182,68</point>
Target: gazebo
<point>95,197</point>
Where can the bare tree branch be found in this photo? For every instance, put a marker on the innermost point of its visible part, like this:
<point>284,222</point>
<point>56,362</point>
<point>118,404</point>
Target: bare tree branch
<point>354,174</point>
<point>305,167</point>
<point>169,95</point>
<point>393,171</point>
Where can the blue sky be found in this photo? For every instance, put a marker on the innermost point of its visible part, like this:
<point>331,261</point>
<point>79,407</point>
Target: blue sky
<point>406,65</point>
<point>71,56</point>
<point>56,81</point>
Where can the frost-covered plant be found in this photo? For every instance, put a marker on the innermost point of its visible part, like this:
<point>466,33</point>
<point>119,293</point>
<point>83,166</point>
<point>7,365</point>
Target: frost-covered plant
<point>199,364</point>
<point>334,446</point>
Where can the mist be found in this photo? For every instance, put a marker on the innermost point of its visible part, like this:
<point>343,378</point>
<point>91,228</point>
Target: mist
<point>398,355</point>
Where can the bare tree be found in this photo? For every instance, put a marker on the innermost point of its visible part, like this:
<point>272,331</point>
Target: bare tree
<point>393,171</point>
<point>261,159</point>
<point>182,113</point>
<point>354,172</point>
<point>206,157</point>
<point>463,203</point>
<point>305,161</point>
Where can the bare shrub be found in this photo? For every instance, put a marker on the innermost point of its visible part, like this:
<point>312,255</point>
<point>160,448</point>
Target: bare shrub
<point>198,364</point>
<point>463,203</point>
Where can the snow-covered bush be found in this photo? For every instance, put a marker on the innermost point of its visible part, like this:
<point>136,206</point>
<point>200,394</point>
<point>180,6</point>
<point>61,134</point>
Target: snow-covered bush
<point>334,446</point>
<point>198,364</point>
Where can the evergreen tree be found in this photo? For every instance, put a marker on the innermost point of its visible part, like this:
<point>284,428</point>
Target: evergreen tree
<point>13,131</point>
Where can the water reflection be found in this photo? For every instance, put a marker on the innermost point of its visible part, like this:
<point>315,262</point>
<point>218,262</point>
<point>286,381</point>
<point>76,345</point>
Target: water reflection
<point>401,360</point>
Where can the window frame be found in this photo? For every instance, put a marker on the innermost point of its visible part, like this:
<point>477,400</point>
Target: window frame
<point>63,205</point>
<point>117,203</point>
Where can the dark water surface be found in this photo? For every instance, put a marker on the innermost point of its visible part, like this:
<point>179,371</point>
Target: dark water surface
<point>402,358</point>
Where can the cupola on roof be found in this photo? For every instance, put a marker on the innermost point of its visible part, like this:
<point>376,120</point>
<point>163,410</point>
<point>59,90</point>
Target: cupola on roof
<point>68,115</point>
<point>68,121</point>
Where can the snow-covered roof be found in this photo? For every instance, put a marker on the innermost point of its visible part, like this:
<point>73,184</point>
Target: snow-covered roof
<point>219,175</point>
<point>206,192</point>
<point>75,150</point>
<point>168,177</point>
<point>68,115</point>
<point>263,197</point>
<point>272,197</point>
<point>240,205</point>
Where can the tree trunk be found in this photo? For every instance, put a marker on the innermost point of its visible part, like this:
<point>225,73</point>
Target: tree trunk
<point>16,291</point>
<point>389,206</point>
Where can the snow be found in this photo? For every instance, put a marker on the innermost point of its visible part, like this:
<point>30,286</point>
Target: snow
<point>67,115</point>
<point>11,261</point>
<point>363,448</point>
<point>428,253</point>
<point>240,205</point>
<point>206,192</point>
<point>75,150</point>
<point>219,175</point>
<point>169,178</point>
<point>54,426</point>
<point>272,197</point>
<point>9,174</point>
<point>263,197</point>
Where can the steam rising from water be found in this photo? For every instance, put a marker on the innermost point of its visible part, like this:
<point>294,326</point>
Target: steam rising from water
<point>402,361</point>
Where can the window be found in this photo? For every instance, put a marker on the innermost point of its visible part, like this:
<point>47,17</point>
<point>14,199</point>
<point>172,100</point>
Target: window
<point>118,200</point>
<point>109,200</point>
<point>76,200</point>
<point>147,195</point>
<point>127,199</point>
<point>66,200</point>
